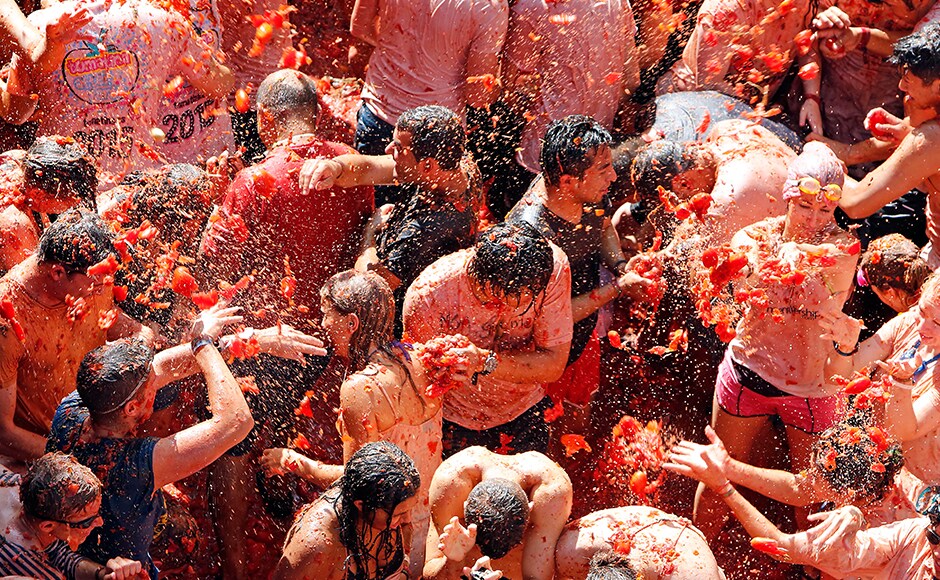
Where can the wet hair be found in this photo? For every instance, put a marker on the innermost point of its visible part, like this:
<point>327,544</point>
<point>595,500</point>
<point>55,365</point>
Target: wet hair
<point>500,510</point>
<point>369,297</point>
<point>569,147</point>
<point>894,261</point>
<point>818,161</point>
<point>289,94</point>
<point>510,258</point>
<point>920,52</point>
<point>623,155</point>
<point>170,198</point>
<point>62,168</point>
<point>658,164</point>
<point>76,240</point>
<point>609,565</point>
<point>57,487</point>
<point>111,375</point>
<point>858,456</point>
<point>381,476</point>
<point>436,133</point>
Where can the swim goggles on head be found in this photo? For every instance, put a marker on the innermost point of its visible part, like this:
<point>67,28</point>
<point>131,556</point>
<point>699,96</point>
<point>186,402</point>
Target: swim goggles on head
<point>810,186</point>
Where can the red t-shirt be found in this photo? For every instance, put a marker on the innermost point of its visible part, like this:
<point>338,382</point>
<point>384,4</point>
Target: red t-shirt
<point>264,219</point>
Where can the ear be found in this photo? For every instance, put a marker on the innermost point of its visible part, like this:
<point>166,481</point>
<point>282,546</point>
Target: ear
<point>47,526</point>
<point>57,273</point>
<point>353,322</point>
<point>358,504</point>
<point>429,166</point>
<point>567,182</point>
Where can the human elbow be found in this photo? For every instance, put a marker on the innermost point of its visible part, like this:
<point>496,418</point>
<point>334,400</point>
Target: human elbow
<point>856,210</point>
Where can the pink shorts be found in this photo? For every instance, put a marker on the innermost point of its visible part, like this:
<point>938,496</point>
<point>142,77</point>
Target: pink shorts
<point>743,393</point>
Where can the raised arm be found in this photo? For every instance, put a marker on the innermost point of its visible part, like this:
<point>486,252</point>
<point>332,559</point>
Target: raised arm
<point>915,159</point>
<point>194,448</point>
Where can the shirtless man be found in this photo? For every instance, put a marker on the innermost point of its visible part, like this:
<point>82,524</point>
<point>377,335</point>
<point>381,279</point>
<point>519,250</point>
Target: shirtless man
<point>916,161</point>
<point>50,178</point>
<point>741,165</point>
<point>511,509</point>
<point>59,309</point>
<point>657,544</point>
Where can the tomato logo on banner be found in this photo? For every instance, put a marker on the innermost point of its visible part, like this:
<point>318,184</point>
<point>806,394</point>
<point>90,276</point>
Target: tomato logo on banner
<point>100,75</point>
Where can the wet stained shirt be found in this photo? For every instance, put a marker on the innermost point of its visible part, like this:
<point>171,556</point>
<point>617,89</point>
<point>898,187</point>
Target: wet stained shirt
<point>130,506</point>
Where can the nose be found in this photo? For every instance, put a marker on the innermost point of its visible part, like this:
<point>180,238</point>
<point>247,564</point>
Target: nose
<point>390,148</point>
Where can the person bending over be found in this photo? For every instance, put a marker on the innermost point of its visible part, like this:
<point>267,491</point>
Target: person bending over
<point>510,508</point>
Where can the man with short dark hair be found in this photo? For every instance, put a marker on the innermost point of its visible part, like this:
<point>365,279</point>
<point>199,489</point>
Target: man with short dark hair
<point>438,209</point>
<point>568,204</point>
<point>55,174</point>
<point>57,307</point>
<point>290,241</point>
<point>511,509</point>
<point>117,384</point>
<point>510,295</point>
<point>59,508</point>
<point>914,163</point>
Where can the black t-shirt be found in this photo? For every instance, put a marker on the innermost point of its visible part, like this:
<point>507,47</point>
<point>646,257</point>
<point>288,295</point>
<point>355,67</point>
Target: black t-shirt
<point>425,227</point>
<point>581,242</point>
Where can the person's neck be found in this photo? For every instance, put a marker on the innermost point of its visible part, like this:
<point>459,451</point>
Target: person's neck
<point>39,285</point>
<point>560,203</point>
<point>447,183</point>
<point>23,533</point>
<point>293,134</point>
<point>119,430</point>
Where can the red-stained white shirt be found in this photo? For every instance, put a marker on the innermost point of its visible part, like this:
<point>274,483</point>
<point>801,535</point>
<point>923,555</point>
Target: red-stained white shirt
<point>421,56</point>
<point>441,301</point>
<point>581,62</point>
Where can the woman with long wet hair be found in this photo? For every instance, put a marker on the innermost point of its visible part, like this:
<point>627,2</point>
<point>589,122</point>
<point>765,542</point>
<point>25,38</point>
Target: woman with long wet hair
<point>359,528</point>
<point>383,396</point>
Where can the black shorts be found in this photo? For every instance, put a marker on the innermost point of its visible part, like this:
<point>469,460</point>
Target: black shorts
<point>529,432</point>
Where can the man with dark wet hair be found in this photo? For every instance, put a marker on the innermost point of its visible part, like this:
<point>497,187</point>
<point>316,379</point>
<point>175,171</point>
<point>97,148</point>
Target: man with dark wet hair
<point>59,507</point>
<point>510,509</point>
<point>438,207</point>
<point>116,387</point>
<point>56,304</point>
<point>290,242</point>
<point>569,205</point>
<point>914,162</point>
<point>610,565</point>
<point>511,296</point>
<point>55,174</point>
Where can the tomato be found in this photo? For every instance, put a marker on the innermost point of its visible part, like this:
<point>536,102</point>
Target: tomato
<point>574,443</point>
<point>106,319</point>
<point>288,287</point>
<point>120,293</point>
<point>706,121</point>
<point>767,546</point>
<point>638,483</point>
<point>205,300</point>
<point>264,32</point>
<point>879,438</point>
<point>183,282</point>
<point>614,337</point>
<point>242,104</point>
<point>834,45</point>
<point>8,312</point>
<point>301,442</point>
<point>710,257</point>
<point>172,86</point>
<point>808,71</point>
<point>857,385</point>
<point>106,267</point>
<point>803,42</point>
<point>877,117</point>
<point>304,410</point>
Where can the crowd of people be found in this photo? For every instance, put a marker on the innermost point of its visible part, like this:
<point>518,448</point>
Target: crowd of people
<point>573,259</point>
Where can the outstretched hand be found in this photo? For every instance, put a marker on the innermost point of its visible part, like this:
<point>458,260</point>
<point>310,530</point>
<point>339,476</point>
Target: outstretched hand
<point>902,370</point>
<point>833,526</point>
<point>456,541</point>
<point>839,328</point>
<point>285,341</point>
<point>706,463</point>
<point>484,570</point>
<point>212,321</point>
<point>319,174</point>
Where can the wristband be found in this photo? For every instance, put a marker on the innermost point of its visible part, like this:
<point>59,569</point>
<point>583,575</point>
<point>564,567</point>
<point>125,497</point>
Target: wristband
<point>811,97</point>
<point>618,262</point>
<point>725,490</point>
<point>199,342</point>
<point>101,573</point>
<point>835,345</point>
<point>864,36</point>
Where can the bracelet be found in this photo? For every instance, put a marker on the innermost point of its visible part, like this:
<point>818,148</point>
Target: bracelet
<point>200,341</point>
<point>342,170</point>
<point>864,36</point>
<point>811,97</point>
<point>722,492</point>
<point>98,573</point>
<point>617,287</point>
<point>618,262</point>
<point>835,345</point>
